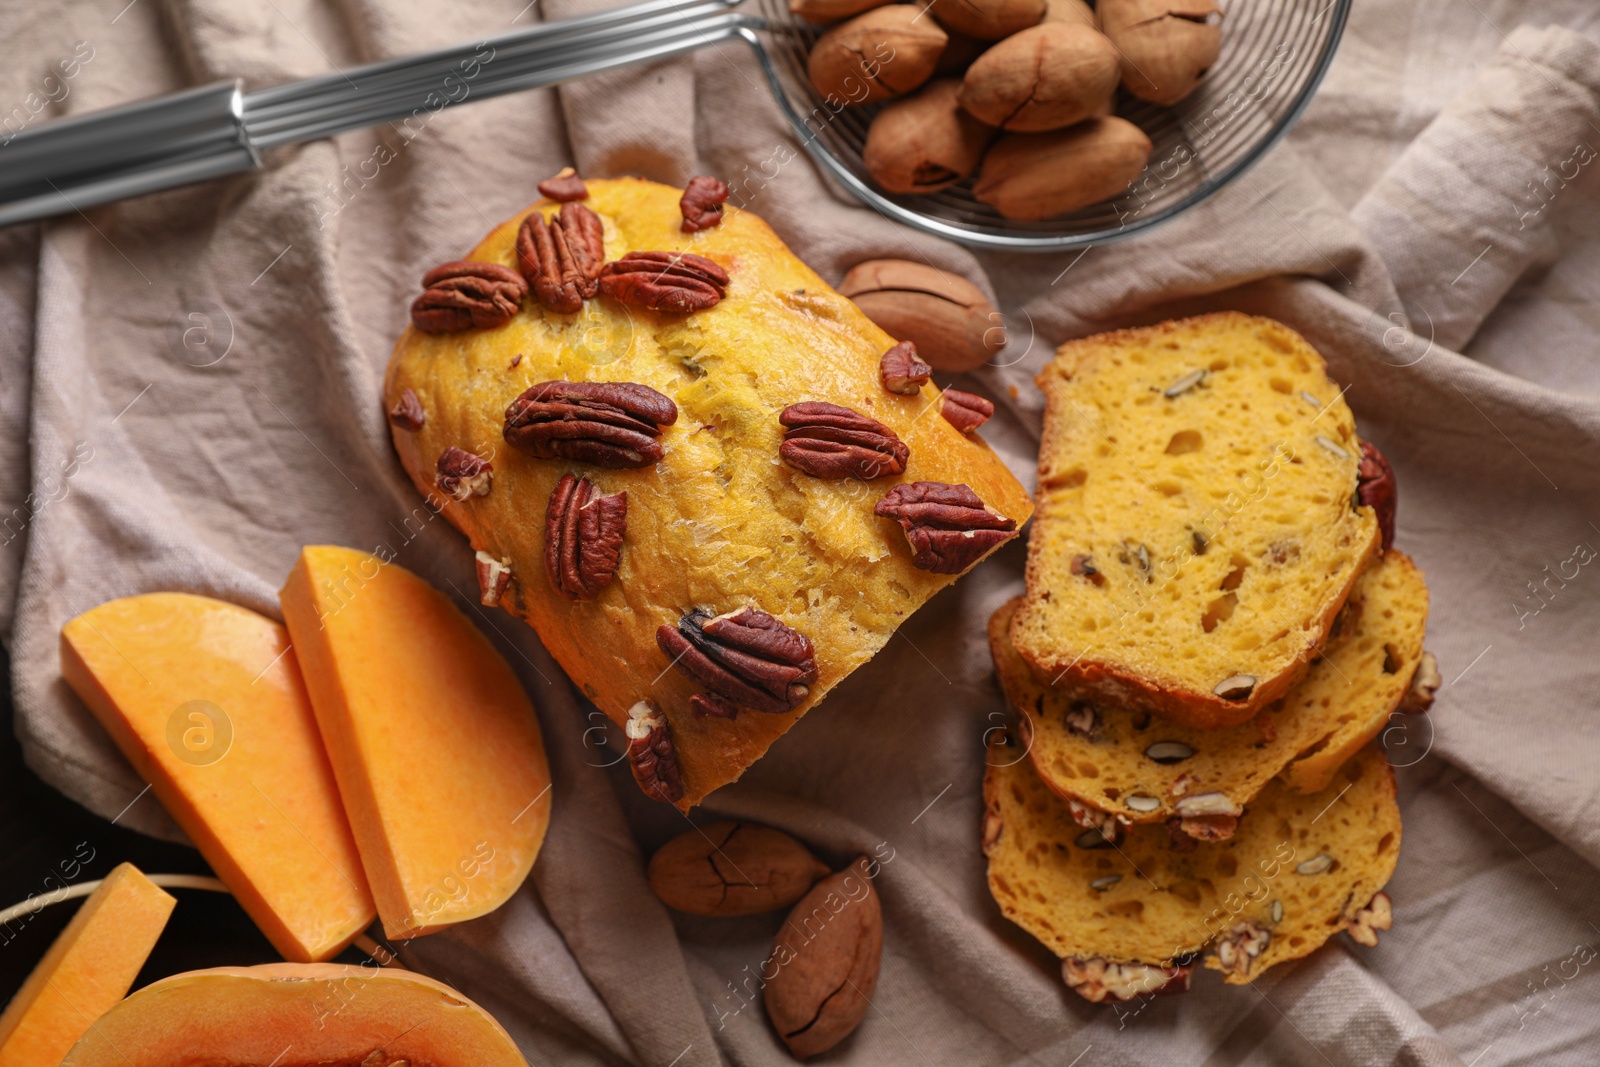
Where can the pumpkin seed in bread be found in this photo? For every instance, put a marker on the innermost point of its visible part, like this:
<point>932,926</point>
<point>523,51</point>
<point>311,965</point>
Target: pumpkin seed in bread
<point>1197,528</point>
<point>1300,868</point>
<point>1142,769</point>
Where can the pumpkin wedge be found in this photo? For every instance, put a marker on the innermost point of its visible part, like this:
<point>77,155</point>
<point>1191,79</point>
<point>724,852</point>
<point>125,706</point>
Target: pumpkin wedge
<point>87,970</point>
<point>205,699</point>
<point>295,1014</point>
<point>435,745</point>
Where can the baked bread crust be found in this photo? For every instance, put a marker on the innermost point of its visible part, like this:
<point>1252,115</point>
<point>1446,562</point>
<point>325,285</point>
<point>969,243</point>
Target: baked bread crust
<point>719,523</point>
<point>1105,757</point>
<point>1197,528</point>
<point>1299,869</point>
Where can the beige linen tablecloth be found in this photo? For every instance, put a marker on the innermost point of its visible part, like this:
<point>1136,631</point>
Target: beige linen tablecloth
<point>190,388</point>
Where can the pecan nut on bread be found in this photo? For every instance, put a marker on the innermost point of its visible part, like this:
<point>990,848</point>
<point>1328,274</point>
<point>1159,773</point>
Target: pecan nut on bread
<point>1114,766</point>
<point>645,503</point>
<point>1199,526</point>
<point>1300,868</point>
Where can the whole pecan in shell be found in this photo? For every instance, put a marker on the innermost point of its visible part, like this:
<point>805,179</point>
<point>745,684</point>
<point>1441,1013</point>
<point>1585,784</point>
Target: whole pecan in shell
<point>407,412</point>
<point>463,295</point>
<point>665,281</point>
<point>829,441</point>
<point>651,753</point>
<point>948,526</point>
<point>565,186</point>
<point>609,424</point>
<point>701,203</point>
<point>746,656</point>
<point>460,475</point>
<point>561,260</point>
<point>824,988</point>
<point>902,370</point>
<point>1376,488</point>
<point>965,411</point>
<point>583,537</point>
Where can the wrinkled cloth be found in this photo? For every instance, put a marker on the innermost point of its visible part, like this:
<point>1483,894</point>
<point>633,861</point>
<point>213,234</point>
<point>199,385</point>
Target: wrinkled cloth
<point>190,387</point>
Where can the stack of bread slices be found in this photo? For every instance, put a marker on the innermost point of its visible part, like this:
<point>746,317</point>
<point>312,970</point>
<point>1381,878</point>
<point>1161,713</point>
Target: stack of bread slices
<point>1215,632</point>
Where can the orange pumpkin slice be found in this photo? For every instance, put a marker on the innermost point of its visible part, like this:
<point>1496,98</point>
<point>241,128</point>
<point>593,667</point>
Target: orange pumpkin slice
<point>292,1015</point>
<point>87,970</point>
<point>205,699</point>
<point>434,743</point>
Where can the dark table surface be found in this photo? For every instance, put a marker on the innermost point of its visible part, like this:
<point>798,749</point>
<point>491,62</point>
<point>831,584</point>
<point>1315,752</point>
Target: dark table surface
<point>47,841</point>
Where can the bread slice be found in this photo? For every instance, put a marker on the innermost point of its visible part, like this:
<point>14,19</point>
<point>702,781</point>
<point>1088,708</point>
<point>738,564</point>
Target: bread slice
<point>1300,868</point>
<point>1135,768</point>
<point>1197,530</point>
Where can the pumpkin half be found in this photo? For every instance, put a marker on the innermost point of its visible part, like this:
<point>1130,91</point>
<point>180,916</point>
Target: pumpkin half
<point>294,1015</point>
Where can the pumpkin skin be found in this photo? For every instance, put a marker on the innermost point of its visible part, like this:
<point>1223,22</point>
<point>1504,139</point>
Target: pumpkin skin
<point>295,1015</point>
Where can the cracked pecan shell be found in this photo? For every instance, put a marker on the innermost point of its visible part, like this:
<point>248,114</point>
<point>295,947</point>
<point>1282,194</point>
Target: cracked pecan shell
<point>610,424</point>
<point>561,259</point>
<point>651,754</point>
<point>701,204</point>
<point>829,441</point>
<point>464,295</point>
<point>665,281</point>
<point>948,526</point>
<point>583,537</point>
<point>1376,488</point>
<point>745,656</point>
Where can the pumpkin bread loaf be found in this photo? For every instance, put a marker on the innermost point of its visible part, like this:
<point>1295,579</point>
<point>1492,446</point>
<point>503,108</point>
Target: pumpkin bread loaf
<point>1113,766</point>
<point>683,468</point>
<point>1198,525</point>
<point>1131,919</point>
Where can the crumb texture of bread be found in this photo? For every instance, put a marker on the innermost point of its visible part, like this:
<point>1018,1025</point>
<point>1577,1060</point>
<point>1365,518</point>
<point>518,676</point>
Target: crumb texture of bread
<point>1141,768</point>
<point>1197,531</point>
<point>1299,866</point>
<point>719,523</point>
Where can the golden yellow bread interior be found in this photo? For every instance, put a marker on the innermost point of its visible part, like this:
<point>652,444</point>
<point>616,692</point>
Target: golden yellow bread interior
<point>1197,531</point>
<point>1299,868</point>
<point>1145,769</point>
<point>719,523</point>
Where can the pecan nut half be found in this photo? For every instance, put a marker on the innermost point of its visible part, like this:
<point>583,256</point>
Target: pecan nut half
<point>583,537</point>
<point>829,441</point>
<point>463,295</point>
<point>1376,488</point>
<point>1098,979</point>
<point>665,281</point>
<point>902,370</point>
<point>651,753</point>
<point>407,412</point>
<point>1236,950</point>
<point>564,187</point>
<point>965,411</point>
<point>460,475</point>
<point>561,260</point>
<point>1366,922</point>
<point>701,204</point>
<point>610,424</point>
<point>494,578</point>
<point>710,705</point>
<point>745,656</point>
<point>948,526</point>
